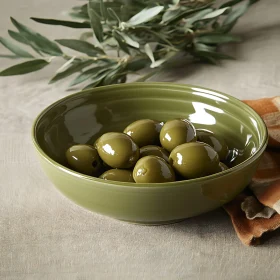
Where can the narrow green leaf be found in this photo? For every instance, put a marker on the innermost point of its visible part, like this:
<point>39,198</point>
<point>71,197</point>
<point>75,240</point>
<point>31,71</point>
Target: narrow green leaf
<point>157,63</point>
<point>66,23</point>
<point>209,59</point>
<point>203,47</point>
<point>25,67</point>
<point>230,3</point>
<point>98,80</point>
<point>111,76</point>
<point>74,68</point>
<point>216,13</point>
<point>149,52</point>
<point>113,14</point>
<point>234,15</point>
<point>164,59</point>
<point>87,74</point>
<point>138,64</point>
<point>16,36</point>
<point>37,40</point>
<point>213,54</point>
<point>130,41</point>
<point>14,49</point>
<point>196,17</point>
<point>103,10</point>
<point>81,46</point>
<point>19,38</point>
<point>145,15</point>
<point>121,41</point>
<point>9,56</point>
<point>95,24</point>
<point>171,14</point>
<point>92,85</point>
<point>185,14</point>
<point>156,34</point>
<point>147,76</point>
<point>217,38</point>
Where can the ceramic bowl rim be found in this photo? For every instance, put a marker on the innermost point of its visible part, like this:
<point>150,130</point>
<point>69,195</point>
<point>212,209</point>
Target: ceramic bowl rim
<point>233,101</point>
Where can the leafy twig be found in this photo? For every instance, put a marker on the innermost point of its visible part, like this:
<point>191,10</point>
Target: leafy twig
<point>143,33</point>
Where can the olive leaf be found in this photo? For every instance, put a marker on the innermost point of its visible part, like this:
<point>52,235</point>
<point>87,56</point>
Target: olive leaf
<point>74,68</point>
<point>230,3</point>
<point>171,14</point>
<point>145,15</point>
<point>130,41</point>
<point>121,41</point>
<point>9,56</point>
<point>137,64</point>
<point>14,49</point>
<point>81,46</point>
<point>95,23</point>
<point>126,36</point>
<point>90,73</point>
<point>66,23</point>
<point>198,16</point>
<point>113,14</point>
<point>16,36</point>
<point>19,38</point>
<point>25,67</point>
<point>234,15</point>
<point>103,10</point>
<point>37,40</point>
<point>217,38</point>
<point>216,13</point>
<point>149,52</point>
<point>147,76</point>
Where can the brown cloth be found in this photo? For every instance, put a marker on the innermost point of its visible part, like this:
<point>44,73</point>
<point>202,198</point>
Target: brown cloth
<point>254,214</point>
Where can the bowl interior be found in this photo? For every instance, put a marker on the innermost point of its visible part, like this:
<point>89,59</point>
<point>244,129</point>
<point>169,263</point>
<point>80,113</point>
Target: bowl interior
<point>83,117</point>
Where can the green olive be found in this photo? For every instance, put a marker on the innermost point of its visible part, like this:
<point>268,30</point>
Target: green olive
<point>222,167</point>
<point>84,159</point>
<point>176,132</point>
<point>216,142</point>
<point>153,169</point>
<point>154,151</point>
<point>194,160</point>
<point>121,175</point>
<point>117,150</point>
<point>144,132</point>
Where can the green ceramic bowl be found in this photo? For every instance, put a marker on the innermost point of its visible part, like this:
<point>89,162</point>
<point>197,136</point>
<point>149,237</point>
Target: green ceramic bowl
<point>84,116</point>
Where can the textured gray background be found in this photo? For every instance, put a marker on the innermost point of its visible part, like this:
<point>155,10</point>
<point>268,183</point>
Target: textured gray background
<point>45,236</point>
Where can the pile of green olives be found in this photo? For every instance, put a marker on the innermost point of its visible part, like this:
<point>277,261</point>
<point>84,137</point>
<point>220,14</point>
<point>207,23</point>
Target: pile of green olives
<point>150,151</point>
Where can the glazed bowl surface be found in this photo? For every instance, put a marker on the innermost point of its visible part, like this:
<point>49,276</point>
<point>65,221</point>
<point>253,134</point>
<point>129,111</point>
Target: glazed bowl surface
<point>84,116</point>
